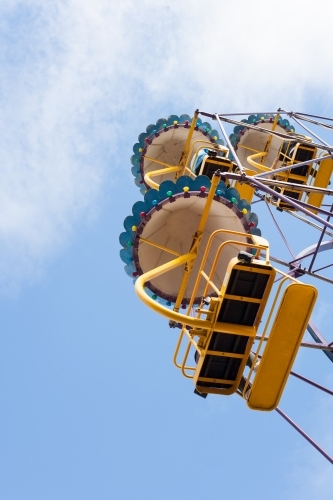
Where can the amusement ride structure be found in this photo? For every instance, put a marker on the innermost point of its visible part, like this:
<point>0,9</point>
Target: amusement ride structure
<point>196,254</point>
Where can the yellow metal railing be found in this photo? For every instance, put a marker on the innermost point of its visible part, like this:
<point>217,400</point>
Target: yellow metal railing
<point>183,161</point>
<point>193,156</point>
<point>162,171</point>
<point>263,337</point>
<point>173,168</point>
<point>187,260</point>
<point>209,283</point>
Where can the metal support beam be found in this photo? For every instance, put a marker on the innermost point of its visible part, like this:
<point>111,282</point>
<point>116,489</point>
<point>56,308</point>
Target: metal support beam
<point>302,433</point>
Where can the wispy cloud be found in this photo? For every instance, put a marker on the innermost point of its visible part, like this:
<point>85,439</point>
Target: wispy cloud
<point>76,74</point>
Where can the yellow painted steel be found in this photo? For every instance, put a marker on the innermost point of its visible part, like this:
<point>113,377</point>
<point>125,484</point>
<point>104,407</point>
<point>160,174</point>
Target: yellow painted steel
<point>161,247</point>
<point>269,140</point>
<point>259,244</point>
<point>220,162</point>
<point>155,306</point>
<point>282,346</point>
<point>198,330</point>
<point>258,166</point>
<point>200,324</point>
<point>291,176</point>
<point>322,179</point>
<point>245,190</point>
<point>183,167</point>
<point>196,241</point>
<point>234,329</point>
<point>205,145</point>
<point>184,155</point>
<point>162,171</point>
<point>187,260</point>
<point>212,313</point>
<point>198,327</point>
<point>232,383</point>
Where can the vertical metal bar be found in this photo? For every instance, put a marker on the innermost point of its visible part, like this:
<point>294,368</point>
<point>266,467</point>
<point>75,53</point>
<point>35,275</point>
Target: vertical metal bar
<point>184,155</point>
<point>269,140</point>
<point>310,440</point>
<point>197,239</point>
<point>230,146</point>
<point>319,242</point>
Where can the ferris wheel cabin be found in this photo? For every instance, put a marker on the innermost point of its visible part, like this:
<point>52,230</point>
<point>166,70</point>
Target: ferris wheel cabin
<point>197,257</point>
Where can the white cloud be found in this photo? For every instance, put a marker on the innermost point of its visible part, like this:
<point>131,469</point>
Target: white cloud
<point>76,74</point>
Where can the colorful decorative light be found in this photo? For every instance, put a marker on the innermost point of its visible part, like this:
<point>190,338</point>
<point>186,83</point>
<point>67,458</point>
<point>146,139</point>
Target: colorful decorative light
<point>203,189</point>
<point>233,200</point>
<point>142,214</point>
<point>134,228</point>
<point>169,193</point>
<point>186,189</point>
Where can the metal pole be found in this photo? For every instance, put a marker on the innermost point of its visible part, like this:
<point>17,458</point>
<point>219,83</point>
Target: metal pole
<point>316,335</point>
<point>277,134</point>
<point>310,132</point>
<point>210,115</point>
<point>310,440</point>
<point>290,202</point>
<point>324,212</point>
<point>305,114</point>
<point>319,242</point>
<point>296,165</point>
<point>240,166</point>
<point>291,185</point>
<point>310,345</point>
<point>308,381</point>
<point>315,122</point>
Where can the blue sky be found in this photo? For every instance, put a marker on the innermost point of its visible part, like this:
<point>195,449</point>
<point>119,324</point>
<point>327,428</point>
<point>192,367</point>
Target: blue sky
<point>91,405</point>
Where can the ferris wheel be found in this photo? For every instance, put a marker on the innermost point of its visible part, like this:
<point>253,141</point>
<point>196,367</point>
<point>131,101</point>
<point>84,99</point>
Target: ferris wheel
<point>197,256</point>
